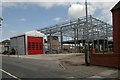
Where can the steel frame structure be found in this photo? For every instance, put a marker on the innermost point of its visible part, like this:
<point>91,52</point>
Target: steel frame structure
<point>77,29</point>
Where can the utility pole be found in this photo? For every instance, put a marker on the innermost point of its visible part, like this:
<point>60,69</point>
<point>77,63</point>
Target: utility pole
<point>87,53</point>
<point>1,21</point>
<point>1,32</point>
<point>86,11</point>
<point>1,27</point>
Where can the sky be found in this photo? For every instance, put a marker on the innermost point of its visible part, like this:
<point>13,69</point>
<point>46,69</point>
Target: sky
<point>23,16</point>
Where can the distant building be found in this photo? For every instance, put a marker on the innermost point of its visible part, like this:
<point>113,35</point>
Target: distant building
<point>31,42</point>
<point>53,43</point>
<point>4,45</point>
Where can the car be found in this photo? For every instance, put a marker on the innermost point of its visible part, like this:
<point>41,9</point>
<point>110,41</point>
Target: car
<point>5,52</point>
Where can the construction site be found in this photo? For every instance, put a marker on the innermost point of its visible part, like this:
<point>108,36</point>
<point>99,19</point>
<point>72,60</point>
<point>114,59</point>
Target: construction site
<point>85,47</point>
<point>92,36</point>
<point>71,36</point>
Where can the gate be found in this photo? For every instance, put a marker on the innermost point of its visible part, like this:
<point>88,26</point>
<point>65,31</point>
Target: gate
<point>35,45</point>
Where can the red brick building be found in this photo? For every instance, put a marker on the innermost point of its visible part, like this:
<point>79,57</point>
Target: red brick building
<point>111,59</point>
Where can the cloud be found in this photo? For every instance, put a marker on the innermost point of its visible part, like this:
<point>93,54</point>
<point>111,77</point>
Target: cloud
<point>42,3</point>
<point>99,10</point>
<point>40,0</point>
<point>48,5</point>
<point>104,12</point>
<point>58,0</point>
<point>45,4</point>
<point>76,10</point>
<point>22,5</point>
<point>9,4</point>
<point>22,19</point>
<point>57,19</point>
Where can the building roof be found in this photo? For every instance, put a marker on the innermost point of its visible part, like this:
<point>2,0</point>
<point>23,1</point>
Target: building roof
<point>30,33</point>
<point>116,7</point>
<point>5,41</point>
<point>34,33</point>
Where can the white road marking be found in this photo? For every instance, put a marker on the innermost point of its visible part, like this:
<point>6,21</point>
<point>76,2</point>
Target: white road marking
<point>71,77</point>
<point>9,74</point>
<point>95,77</point>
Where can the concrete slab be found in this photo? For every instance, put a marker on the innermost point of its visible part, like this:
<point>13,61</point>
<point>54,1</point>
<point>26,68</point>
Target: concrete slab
<point>108,72</point>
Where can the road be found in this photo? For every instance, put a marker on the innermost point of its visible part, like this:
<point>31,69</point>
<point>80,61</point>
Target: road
<point>31,68</point>
<point>20,68</point>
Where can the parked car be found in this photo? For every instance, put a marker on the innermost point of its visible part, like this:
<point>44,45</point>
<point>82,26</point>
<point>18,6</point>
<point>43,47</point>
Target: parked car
<point>13,52</point>
<point>5,52</point>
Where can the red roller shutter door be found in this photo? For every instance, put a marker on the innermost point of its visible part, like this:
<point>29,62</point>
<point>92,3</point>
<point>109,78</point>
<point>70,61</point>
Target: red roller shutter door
<point>35,45</point>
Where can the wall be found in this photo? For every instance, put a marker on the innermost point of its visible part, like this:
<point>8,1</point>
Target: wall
<point>18,44</point>
<point>54,43</point>
<point>109,60</point>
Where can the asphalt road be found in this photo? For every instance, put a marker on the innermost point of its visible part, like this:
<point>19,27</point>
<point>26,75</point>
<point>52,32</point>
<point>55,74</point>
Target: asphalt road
<point>30,68</point>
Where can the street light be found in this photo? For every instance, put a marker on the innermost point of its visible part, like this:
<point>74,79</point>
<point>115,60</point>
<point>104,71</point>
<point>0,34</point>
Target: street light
<point>87,53</point>
<point>1,31</point>
<point>1,21</point>
<point>86,11</point>
<point>1,25</point>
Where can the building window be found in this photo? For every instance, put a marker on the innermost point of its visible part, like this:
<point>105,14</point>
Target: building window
<point>36,45</point>
<point>40,46</point>
<point>29,45</point>
<point>33,45</point>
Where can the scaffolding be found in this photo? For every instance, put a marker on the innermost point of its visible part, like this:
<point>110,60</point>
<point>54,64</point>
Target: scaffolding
<point>97,34</point>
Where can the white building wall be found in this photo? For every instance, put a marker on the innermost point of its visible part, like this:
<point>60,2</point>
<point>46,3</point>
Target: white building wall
<point>1,48</point>
<point>20,45</point>
<point>13,43</point>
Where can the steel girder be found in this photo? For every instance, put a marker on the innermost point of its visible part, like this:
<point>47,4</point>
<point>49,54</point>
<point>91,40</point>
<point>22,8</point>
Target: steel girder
<point>95,29</point>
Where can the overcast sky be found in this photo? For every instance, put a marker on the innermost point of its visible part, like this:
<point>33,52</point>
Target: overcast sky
<point>20,17</point>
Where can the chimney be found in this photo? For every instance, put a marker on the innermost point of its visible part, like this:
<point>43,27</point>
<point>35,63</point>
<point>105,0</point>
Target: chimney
<point>116,28</point>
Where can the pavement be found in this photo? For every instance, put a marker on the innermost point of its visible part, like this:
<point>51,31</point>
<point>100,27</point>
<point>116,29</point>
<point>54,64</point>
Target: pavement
<point>70,65</point>
<point>45,56</point>
<point>76,64</point>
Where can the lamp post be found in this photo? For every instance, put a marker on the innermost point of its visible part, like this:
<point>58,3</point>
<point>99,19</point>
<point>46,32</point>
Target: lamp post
<point>1,21</point>
<point>87,53</point>
<point>1,26</point>
<point>1,32</point>
<point>86,11</point>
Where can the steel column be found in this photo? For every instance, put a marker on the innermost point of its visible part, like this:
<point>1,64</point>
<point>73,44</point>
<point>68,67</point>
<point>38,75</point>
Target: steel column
<point>61,39</point>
